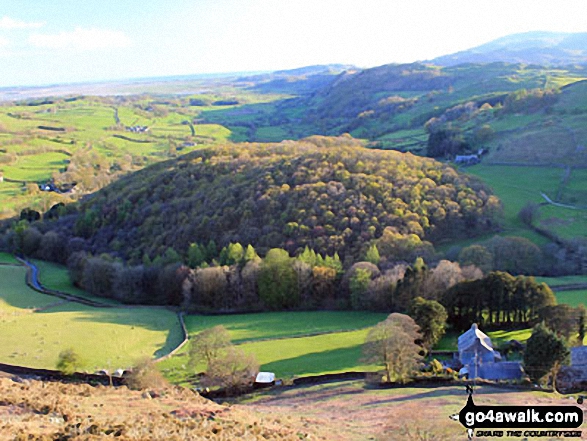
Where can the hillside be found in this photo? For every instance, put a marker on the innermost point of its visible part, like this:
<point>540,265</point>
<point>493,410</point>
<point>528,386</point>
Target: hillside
<point>389,105</point>
<point>326,193</point>
<point>32,409</point>
<point>544,48</point>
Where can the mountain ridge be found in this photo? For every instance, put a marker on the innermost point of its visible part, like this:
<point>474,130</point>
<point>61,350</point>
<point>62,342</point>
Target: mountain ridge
<point>535,47</point>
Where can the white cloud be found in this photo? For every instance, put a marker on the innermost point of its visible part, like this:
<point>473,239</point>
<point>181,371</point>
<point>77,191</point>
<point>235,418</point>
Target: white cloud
<point>4,42</point>
<point>11,23</point>
<point>82,39</point>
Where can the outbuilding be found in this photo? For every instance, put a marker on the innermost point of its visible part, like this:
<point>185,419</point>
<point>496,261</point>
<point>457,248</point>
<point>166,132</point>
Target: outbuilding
<point>265,379</point>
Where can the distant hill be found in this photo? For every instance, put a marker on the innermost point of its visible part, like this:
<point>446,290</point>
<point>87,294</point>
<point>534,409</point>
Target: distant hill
<point>300,81</point>
<point>543,48</point>
<point>388,104</point>
<point>330,194</point>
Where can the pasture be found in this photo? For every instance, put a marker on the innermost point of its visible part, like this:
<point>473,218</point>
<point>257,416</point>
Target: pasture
<point>517,186</point>
<point>56,277</point>
<point>288,343</point>
<point>35,328</point>
<point>553,282</point>
<point>41,141</point>
<point>7,258</point>
<point>275,325</point>
<point>573,298</point>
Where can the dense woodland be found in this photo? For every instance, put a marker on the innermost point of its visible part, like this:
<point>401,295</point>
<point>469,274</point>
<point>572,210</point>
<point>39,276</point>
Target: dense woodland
<point>329,194</point>
<point>319,223</point>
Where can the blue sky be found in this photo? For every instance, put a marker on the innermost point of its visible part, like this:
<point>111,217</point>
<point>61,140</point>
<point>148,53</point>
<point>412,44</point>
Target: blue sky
<point>57,41</point>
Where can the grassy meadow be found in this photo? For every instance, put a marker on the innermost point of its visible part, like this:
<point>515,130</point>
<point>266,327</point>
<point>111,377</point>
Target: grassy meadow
<point>56,277</point>
<point>288,343</point>
<point>35,328</point>
<point>573,298</point>
<point>275,325</point>
<point>6,258</point>
<point>517,186</point>
<point>39,142</point>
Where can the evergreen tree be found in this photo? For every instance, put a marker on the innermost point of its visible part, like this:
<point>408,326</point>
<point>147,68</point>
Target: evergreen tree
<point>545,353</point>
<point>236,253</point>
<point>411,285</point>
<point>211,250</point>
<point>196,255</point>
<point>359,285</point>
<point>431,317</point>
<point>250,254</point>
<point>581,328</point>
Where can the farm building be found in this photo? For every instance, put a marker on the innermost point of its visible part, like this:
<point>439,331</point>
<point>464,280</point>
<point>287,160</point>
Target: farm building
<point>579,357</point>
<point>475,344</point>
<point>574,377</point>
<point>480,360</point>
<point>467,159</point>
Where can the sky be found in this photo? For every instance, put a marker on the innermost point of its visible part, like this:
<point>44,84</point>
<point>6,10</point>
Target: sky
<point>64,41</point>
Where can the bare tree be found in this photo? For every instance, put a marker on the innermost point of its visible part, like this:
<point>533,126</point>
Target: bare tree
<point>207,346</point>
<point>232,369</point>
<point>392,343</point>
<point>226,365</point>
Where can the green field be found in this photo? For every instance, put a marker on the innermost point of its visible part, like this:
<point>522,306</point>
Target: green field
<point>321,354</point>
<point>56,277</point>
<point>290,357</point>
<point>274,325</point>
<point>563,280</point>
<point>289,343</point>
<point>517,186</point>
<point>39,142</point>
<point>8,258</point>
<point>573,298</point>
<point>104,337</point>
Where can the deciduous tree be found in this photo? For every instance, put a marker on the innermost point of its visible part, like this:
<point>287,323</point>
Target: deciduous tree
<point>392,343</point>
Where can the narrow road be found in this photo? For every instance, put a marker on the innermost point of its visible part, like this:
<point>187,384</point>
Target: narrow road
<point>33,282</point>
<point>556,204</point>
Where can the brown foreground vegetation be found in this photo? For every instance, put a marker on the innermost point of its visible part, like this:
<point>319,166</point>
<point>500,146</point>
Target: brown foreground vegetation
<point>347,411</point>
<point>37,410</point>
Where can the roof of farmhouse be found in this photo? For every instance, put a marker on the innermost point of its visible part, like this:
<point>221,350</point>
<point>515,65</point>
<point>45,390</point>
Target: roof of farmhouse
<point>472,336</point>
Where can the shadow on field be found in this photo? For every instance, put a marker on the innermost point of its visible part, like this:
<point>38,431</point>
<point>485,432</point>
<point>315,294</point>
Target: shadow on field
<point>342,359</point>
<point>408,394</point>
<point>153,319</point>
<point>14,291</point>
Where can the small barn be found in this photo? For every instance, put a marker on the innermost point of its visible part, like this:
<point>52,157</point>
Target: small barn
<point>467,159</point>
<point>264,379</point>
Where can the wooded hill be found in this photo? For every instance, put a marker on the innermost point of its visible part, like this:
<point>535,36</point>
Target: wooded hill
<point>329,194</point>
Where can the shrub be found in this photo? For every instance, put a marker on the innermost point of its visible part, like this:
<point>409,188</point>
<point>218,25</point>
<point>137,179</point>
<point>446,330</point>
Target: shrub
<point>144,375</point>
